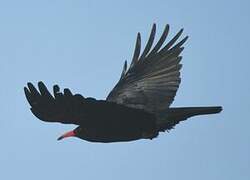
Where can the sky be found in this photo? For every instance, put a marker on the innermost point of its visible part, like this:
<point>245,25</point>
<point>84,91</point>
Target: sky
<point>82,45</point>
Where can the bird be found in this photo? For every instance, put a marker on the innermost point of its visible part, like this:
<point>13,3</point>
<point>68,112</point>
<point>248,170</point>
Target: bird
<point>138,107</point>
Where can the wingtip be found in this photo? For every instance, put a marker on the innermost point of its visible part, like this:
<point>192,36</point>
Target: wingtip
<point>167,27</point>
<point>185,39</point>
<point>139,36</point>
<point>26,91</point>
<point>181,31</point>
<point>154,26</point>
<point>29,84</point>
<point>56,88</point>
<point>67,92</point>
<point>40,83</point>
<point>28,95</point>
<point>31,87</point>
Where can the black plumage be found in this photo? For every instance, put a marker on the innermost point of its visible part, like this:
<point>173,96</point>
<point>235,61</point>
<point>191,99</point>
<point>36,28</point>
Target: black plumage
<point>136,108</point>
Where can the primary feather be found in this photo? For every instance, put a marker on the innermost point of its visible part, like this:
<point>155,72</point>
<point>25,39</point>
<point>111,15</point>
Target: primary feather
<point>153,78</point>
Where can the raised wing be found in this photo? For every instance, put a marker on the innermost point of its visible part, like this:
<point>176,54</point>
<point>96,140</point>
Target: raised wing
<point>62,107</point>
<point>153,77</point>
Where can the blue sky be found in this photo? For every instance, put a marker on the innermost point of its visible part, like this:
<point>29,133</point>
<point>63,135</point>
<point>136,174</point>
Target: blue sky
<point>82,45</point>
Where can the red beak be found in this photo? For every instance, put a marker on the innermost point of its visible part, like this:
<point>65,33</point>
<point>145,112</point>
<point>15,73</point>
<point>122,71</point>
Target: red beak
<point>67,134</point>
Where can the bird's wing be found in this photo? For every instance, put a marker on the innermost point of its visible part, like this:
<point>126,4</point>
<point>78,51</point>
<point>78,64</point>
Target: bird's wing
<point>62,107</point>
<point>151,81</point>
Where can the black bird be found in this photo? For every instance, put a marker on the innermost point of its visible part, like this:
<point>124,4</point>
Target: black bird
<point>136,108</point>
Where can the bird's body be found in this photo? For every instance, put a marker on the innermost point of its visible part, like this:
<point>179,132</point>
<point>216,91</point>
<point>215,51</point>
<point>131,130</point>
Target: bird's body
<point>136,108</point>
<point>105,121</point>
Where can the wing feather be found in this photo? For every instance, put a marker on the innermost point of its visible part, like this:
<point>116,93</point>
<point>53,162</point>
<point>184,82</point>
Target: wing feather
<point>151,82</point>
<point>149,43</point>
<point>137,50</point>
<point>161,41</point>
<point>62,107</point>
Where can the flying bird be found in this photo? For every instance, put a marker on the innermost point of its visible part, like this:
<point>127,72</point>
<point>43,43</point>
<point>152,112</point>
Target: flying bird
<point>138,107</point>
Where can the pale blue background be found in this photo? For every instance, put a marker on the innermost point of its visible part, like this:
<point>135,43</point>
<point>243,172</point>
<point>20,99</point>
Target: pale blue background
<point>82,45</point>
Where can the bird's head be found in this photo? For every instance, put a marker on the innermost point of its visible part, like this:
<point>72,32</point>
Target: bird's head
<point>74,133</point>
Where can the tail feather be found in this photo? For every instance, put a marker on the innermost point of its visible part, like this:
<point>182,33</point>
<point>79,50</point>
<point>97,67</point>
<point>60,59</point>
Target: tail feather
<point>173,116</point>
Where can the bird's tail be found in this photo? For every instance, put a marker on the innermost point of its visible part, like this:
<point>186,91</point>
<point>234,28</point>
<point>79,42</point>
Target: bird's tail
<point>173,116</point>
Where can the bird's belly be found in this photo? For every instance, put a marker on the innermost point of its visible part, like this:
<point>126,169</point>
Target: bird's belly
<point>108,136</point>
